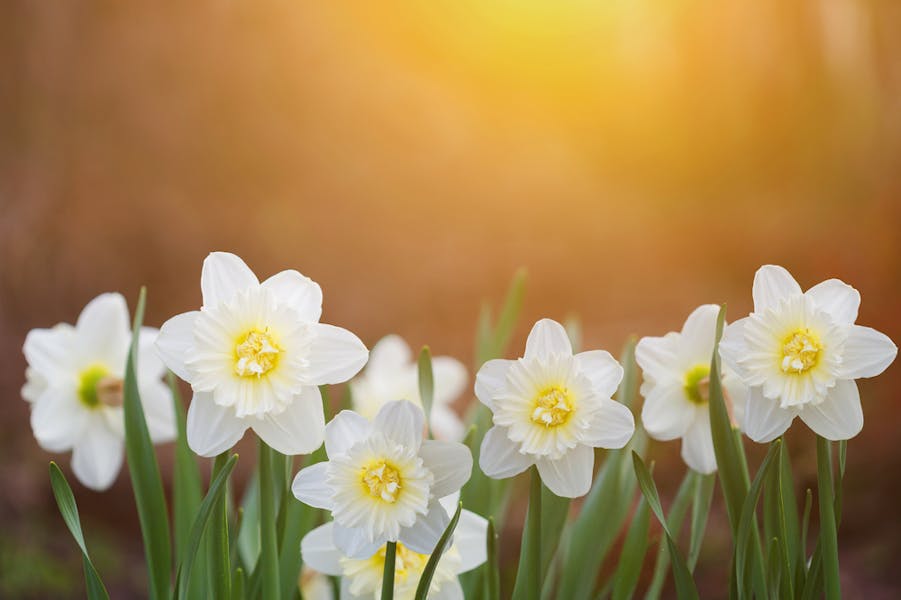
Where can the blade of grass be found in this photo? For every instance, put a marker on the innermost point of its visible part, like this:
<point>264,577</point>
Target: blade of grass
<point>633,553</point>
<point>528,575</point>
<point>700,511</point>
<point>388,572</point>
<point>65,501</point>
<point>677,512</point>
<point>145,473</point>
<point>425,580</point>
<point>426,383</point>
<point>828,530</point>
<point>268,535</point>
<point>207,508</point>
<point>747,527</point>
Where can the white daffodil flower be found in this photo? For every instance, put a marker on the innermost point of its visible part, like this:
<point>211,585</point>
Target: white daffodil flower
<point>361,578</point>
<point>74,384</point>
<point>551,408</point>
<point>392,374</point>
<point>799,353</point>
<point>254,355</point>
<point>382,482</point>
<point>676,370</point>
<point>315,585</point>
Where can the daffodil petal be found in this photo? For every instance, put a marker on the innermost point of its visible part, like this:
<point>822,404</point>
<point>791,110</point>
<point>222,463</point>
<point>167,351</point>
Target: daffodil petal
<point>423,535</point>
<point>697,444</point>
<point>500,456</point>
<point>297,291</point>
<point>175,341</point>
<point>547,339</point>
<point>614,426</point>
<point>391,353</point>
<point>97,457</point>
<point>733,345</point>
<point>658,357</point>
<point>51,352</point>
<point>335,356</point>
<point>765,419</point>
<point>837,298</point>
<point>104,331</point>
<point>491,379</point>
<point>839,416</point>
<point>867,353</point>
<point>299,429</point>
<point>451,378</point>
<point>698,333</point>
<point>224,275</point>
<point>319,551</point>
<point>470,539</point>
<point>150,363</point>
<point>449,590</point>
<point>212,429</point>
<point>570,475</point>
<point>159,411</point>
<point>353,542</point>
<point>772,284</point>
<point>310,486</point>
<point>602,370</point>
<point>58,420</point>
<point>402,422</point>
<point>450,462</point>
<point>345,430</point>
<point>446,425</point>
<point>666,413</point>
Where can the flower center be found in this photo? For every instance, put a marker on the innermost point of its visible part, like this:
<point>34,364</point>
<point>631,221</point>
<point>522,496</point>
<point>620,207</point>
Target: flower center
<point>381,480</point>
<point>800,352</point>
<point>553,406</point>
<point>697,384</point>
<point>256,353</point>
<point>98,388</point>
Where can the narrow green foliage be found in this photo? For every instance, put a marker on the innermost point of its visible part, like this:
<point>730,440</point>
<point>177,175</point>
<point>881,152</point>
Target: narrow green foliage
<point>528,576</point>
<point>510,310</point>
<point>268,535</point>
<point>786,517</point>
<point>744,553</point>
<point>677,512</point>
<point>493,579</point>
<point>425,581</point>
<point>774,569</point>
<point>214,497</point>
<point>805,523</point>
<point>554,511</point>
<point>700,511</point>
<point>388,573</point>
<point>65,500</point>
<point>186,494</point>
<point>632,556</point>
<point>828,529</point>
<point>220,558</point>
<point>145,473</point>
<point>426,382</point>
<point>238,584</point>
<point>249,532</point>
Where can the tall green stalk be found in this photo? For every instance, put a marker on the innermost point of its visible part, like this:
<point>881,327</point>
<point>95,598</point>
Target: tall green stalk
<point>268,534</point>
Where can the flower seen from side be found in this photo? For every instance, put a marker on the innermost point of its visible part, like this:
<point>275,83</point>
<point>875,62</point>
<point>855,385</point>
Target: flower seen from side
<point>551,409</point>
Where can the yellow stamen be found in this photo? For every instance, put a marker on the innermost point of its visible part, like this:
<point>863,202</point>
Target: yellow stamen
<point>256,353</point>
<point>381,480</point>
<point>800,351</point>
<point>553,406</point>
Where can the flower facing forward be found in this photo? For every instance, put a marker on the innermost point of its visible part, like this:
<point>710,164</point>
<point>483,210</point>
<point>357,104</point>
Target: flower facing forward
<point>361,578</point>
<point>800,352</point>
<point>551,408</point>
<point>254,355</point>
<point>676,370</point>
<point>382,482</point>
<point>391,374</point>
<point>75,384</point>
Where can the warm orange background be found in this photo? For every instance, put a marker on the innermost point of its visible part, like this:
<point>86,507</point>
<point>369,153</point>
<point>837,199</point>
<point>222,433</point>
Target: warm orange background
<point>638,157</point>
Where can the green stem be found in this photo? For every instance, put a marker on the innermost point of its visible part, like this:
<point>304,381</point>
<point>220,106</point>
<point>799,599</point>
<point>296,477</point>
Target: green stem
<point>828,530</point>
<point>220,567</point>
<point>268,535</point>
<point>388,573</point>
<point>528,578</point>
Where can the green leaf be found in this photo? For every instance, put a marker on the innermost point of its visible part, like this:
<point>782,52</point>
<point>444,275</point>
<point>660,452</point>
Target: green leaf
<point>677,512</point>
<point>528,575</point>
<point>186,491</point>
<point>217,537</point>
<point>268,535</point>
<point>828,530</point>
<point>780,508</point>
<point>554,511</point>
<point>506,320</point>
<point>744,554</point>
<point>805,522</point>
<point>632,556</point>
<point>238,584</point>
<point>426,383</point>
<point>214,496</point>
<point>774,567</point>
<point>65,500</point>
<point>299,520</point>
<point>388,572</point>
<point>249,531</point>
<point>425,580</point>
<point>493,580</point>
<point>700,511</point>
<point>145,473</point>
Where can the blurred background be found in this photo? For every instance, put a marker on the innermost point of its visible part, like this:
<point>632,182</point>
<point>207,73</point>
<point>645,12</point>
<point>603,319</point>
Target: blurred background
<point>637,157</point>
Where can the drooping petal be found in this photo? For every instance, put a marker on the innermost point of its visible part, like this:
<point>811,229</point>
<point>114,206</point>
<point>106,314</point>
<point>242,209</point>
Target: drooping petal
<point>658,357</point>
<point>297,291</point>
<point>765,419</point>
<point>697,445</point>
<point>319,551</point>
<point>353,542</point>
<point>470,539</point>
<point>104,332</point>
<point>58,419</point>
<point>97,456</point>
<point>839,416</point>
<point>451,378</point>
<point>613,426</point>
<point>602,370</point>
<point>400,421</point>
<point>666,413</point>
<point>570,475</point>
<point>490,380</point>
<point>391,354</point>
<point>500,457</point>
<point>51,352</point>
<point>299,429</point>
<point>449,462</point>
<point>175,340</point>
<point>547,339</point>
<point>224,275</point>
<point>212,429</point>
<point>310,486</point>
<point>772,284</point>
<point>424,534</point>
<point>837,298</point>
<point>336,355</point>
<point>345,430</point>
<point>159,411</point>
<point>698,333</point>
<point>867,353</point>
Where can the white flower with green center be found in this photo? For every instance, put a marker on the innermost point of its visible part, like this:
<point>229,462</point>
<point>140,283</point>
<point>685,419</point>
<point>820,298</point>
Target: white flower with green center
<point>551,409</point>
<point>676,371</point>
<point>799,353</point>
<point>75,384</point>
<point>255,354</point>
<point>361,578</point>
<point>392,374</point>
<point>382,482</point>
